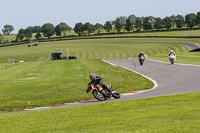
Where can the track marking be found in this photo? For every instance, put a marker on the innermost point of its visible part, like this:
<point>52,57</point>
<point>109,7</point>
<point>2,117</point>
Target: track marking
<point>91,100</point>
<point>154,82</point>
<point>174,63</point>
<point>56,105</point>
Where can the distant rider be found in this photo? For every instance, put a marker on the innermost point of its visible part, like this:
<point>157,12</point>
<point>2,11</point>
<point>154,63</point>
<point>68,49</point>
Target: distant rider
<point>140,55</point>
<point>95,80</point>
<point>172,52</point>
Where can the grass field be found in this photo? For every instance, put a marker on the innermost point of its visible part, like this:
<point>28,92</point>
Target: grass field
<point>44,82</point>
<point>166,114</point>
<point>183,33</point>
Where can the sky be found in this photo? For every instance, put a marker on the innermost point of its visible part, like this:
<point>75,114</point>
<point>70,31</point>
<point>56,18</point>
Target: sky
<point>24,13</point>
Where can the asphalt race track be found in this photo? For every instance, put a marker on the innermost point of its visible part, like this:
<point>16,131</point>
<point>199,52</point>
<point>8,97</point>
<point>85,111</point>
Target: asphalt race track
<point>168,79</point>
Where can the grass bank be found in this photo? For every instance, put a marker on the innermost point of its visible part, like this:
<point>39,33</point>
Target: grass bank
<point>166,114</point>
<point>55,82</point>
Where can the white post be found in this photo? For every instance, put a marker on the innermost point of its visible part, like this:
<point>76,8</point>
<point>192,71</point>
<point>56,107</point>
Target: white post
<point>62,53</point>
<point>67,53</point>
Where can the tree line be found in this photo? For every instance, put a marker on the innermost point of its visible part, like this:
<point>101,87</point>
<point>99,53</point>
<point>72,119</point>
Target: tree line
<point>137,24</point>
<point>131,23</point>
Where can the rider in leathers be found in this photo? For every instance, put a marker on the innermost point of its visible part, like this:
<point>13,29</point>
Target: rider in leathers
<point>140,54</point>
<point>95,80</point>
<point>172,52</point>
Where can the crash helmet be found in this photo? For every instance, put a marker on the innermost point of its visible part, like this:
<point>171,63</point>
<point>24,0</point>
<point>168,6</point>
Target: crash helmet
<point>92,76</point>
<point>171,51</point>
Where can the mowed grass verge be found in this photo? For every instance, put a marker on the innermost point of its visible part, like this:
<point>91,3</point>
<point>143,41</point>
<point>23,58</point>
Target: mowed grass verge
<point>56,82</point>
<point>44,82</point>
<point>166,114</point>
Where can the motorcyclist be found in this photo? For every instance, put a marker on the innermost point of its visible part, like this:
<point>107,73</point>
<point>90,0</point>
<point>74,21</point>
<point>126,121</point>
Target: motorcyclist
<point>141,54</point>
<point>95,80</point>
<point>172,52</point>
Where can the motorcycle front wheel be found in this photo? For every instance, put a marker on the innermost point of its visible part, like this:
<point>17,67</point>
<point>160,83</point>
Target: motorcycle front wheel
<point>141,62</point>
<point>115,94</point>
<point>98,96</point>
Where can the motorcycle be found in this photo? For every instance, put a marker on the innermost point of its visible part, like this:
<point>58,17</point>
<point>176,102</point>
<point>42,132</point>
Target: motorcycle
<point>103,94</point>
<point>172,58</point>
<point>141,59</point>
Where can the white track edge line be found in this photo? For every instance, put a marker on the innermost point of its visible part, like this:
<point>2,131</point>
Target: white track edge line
<point>174,63</point>
<point>154,82</point>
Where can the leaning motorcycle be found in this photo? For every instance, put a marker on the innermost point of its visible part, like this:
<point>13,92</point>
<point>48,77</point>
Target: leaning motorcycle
<point>172,58</point>
<point>103,94</point>
<point>141,60</point>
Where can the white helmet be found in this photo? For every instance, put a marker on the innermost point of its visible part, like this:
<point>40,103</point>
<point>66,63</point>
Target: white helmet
<point>171,51</point>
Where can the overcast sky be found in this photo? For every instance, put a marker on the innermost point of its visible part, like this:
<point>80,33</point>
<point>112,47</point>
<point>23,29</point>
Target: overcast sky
<point>24,13</point>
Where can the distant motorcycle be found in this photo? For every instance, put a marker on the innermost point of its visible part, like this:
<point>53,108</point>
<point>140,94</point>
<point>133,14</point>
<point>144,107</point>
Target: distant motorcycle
<point>172,58</point>
<point>141,60</point>
<point>103,94</point>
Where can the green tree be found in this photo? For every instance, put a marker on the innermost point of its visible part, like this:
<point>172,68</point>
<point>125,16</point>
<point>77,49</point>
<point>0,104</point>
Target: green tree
<point>128,25</point>
<point>123,22</point>
<point>179,21</point>
<point>142,20</point>
<point>20,35</point>
<point>27,34</point>
<point>58,30</point>
<point>108,26</point>
<point>64,28</point>
<point>118,25</point>
<point>7,29</point>
<point>152,20</point>
<point>1,38</point>
<point>173,20</point>
<point>198,18</point>
<point>167,23</point>
<point>132,19</point>
<point>158,23</point>
<point>98,27</point>
<point>48,29</point>
<point>147,25</point>
<point>190,20</point>
<point>138,24</point>
<point>88,27</point>
<point>35,29</point>
<point>78,28</point>
<point>38,35</point>
<point>69,29</point>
